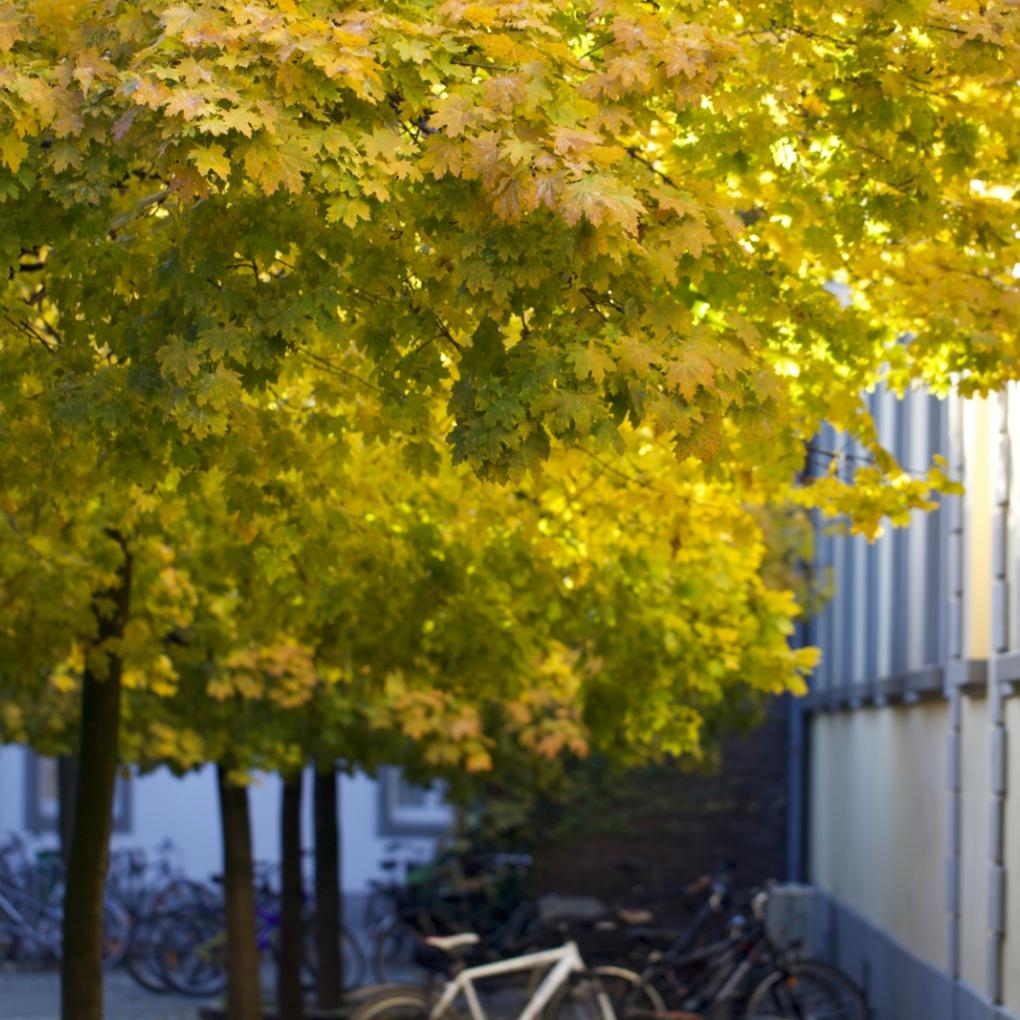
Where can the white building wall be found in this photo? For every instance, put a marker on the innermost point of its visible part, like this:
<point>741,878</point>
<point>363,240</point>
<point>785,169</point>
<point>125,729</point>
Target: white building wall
<point>185,810</point>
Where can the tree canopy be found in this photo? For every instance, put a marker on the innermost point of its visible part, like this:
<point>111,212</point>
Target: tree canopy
<point>559,216</point>
<point>623,607</point>
<point>255,252</point>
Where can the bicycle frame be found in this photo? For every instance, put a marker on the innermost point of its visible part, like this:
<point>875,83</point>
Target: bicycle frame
<point>729,962</point>
<point>27,932</point>
<point>564,961</point>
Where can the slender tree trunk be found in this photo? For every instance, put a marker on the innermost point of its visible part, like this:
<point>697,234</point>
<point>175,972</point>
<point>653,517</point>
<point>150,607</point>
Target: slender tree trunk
<point>81,978</point>
<point>67,787</point>
<point>244,994</point>
<point>288,977</point>
<point>329,978</point>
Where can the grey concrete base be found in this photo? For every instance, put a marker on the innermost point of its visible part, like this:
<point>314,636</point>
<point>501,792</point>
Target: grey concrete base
<point>899,986</point>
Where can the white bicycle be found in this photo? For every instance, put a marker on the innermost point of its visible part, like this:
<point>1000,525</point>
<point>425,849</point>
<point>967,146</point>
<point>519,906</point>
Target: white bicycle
<point>567,990</point>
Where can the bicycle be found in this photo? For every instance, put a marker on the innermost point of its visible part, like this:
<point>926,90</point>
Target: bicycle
<point>741,974</point>
<point>32,908</point>
<point>565,969</point>
<point>458,891</point>
<point>189,946</point>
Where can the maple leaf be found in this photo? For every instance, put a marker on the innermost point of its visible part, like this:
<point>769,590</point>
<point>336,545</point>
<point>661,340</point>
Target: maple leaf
<point>348,211</point>
<point>442,156</point>
<point>65,154</point>
<point>591,362</point>
<point>680,203</point>
<point>13,150</point>
<point>188,103</point>
<point>10,33</point>
<point>453,116</point>
<point>41,98</point>
<point>695,236</point>
<point>634,355</point>
<point>726,359</point>
<point>416,50</point>
<point>578,410</point>
<point>273,166</point>
<point>187,183</point>
<point>513,197</point>
<point>516,151</point>
<point>216,388</point>
<point>384,144</point>
<point>211,159</point>
<point>224,341</point>
<point>567,141</point>
<point>599,197</point>
<point>89,65</point>
<point>179,359</point>
<point>219,121</point>
<point>681,55</point>
<point>627,72</point>
<point>688,372</point>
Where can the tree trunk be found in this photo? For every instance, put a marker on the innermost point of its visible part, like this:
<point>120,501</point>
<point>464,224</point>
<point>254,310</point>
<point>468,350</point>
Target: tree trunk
<point>67,787</point>
<point>81,976</point>
<point>288,977</point>
<point>329,978</point>
<point>244,993</point>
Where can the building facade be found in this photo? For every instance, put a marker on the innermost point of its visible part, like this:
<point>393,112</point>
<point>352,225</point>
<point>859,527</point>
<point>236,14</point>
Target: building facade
<point>380,818</point>
<point>909,818</point>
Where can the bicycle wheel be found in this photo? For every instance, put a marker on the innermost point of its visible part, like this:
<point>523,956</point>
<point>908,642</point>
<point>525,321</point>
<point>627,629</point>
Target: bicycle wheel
<point>395,1002</point>
<point>630,997</point>
<point>192,954</point>
<point>393,952</point>
<point>116,932</point>
<point>588,995</point>
<point>807,991</point>
<point>352,956</point>
<point>142,959</point>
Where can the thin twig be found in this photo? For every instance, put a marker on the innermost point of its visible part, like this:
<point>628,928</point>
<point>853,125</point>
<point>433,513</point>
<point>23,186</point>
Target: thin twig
<point>337,369</point>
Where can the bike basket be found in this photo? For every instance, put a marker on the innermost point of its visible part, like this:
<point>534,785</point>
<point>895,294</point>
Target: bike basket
<point>793,917</point>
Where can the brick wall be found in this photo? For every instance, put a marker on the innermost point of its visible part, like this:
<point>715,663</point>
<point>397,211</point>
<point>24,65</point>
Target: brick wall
<point>674,825</point>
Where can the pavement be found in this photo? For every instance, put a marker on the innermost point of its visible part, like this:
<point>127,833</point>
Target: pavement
<point>35,995</point>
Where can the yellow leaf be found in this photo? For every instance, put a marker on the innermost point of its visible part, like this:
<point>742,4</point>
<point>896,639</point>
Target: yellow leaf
<point>348,211</point>
<point>211,159</point>
<point>9,35</point>
<point>454,116</point>
<point>636,356</point>
<point>688,373</point>
<point>13,150</point>
<point>273,167</point>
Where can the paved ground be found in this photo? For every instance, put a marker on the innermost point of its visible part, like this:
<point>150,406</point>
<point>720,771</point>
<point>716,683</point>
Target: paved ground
<point>34,996</point>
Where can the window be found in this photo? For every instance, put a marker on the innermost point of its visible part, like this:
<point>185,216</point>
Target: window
<point>42,796</point>
<point>409,810</point>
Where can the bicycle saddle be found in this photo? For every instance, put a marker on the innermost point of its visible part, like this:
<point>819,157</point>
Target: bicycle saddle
<point>451,943</point>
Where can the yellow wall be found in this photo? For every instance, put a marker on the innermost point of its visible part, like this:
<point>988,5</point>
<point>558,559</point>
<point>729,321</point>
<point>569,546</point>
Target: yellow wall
<point>974,836</point>
<point>978,438</point>
<point>879,819</point>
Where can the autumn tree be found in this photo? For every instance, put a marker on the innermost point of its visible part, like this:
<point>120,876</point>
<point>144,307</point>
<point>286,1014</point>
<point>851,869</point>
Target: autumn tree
<point>382,616</point>
<point>371,614</point>
<point>556,218</point>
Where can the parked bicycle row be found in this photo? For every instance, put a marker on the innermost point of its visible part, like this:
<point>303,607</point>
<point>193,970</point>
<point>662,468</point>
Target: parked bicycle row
<point>167,930</point>
<point>705,950</point>
<point>737,956</point>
